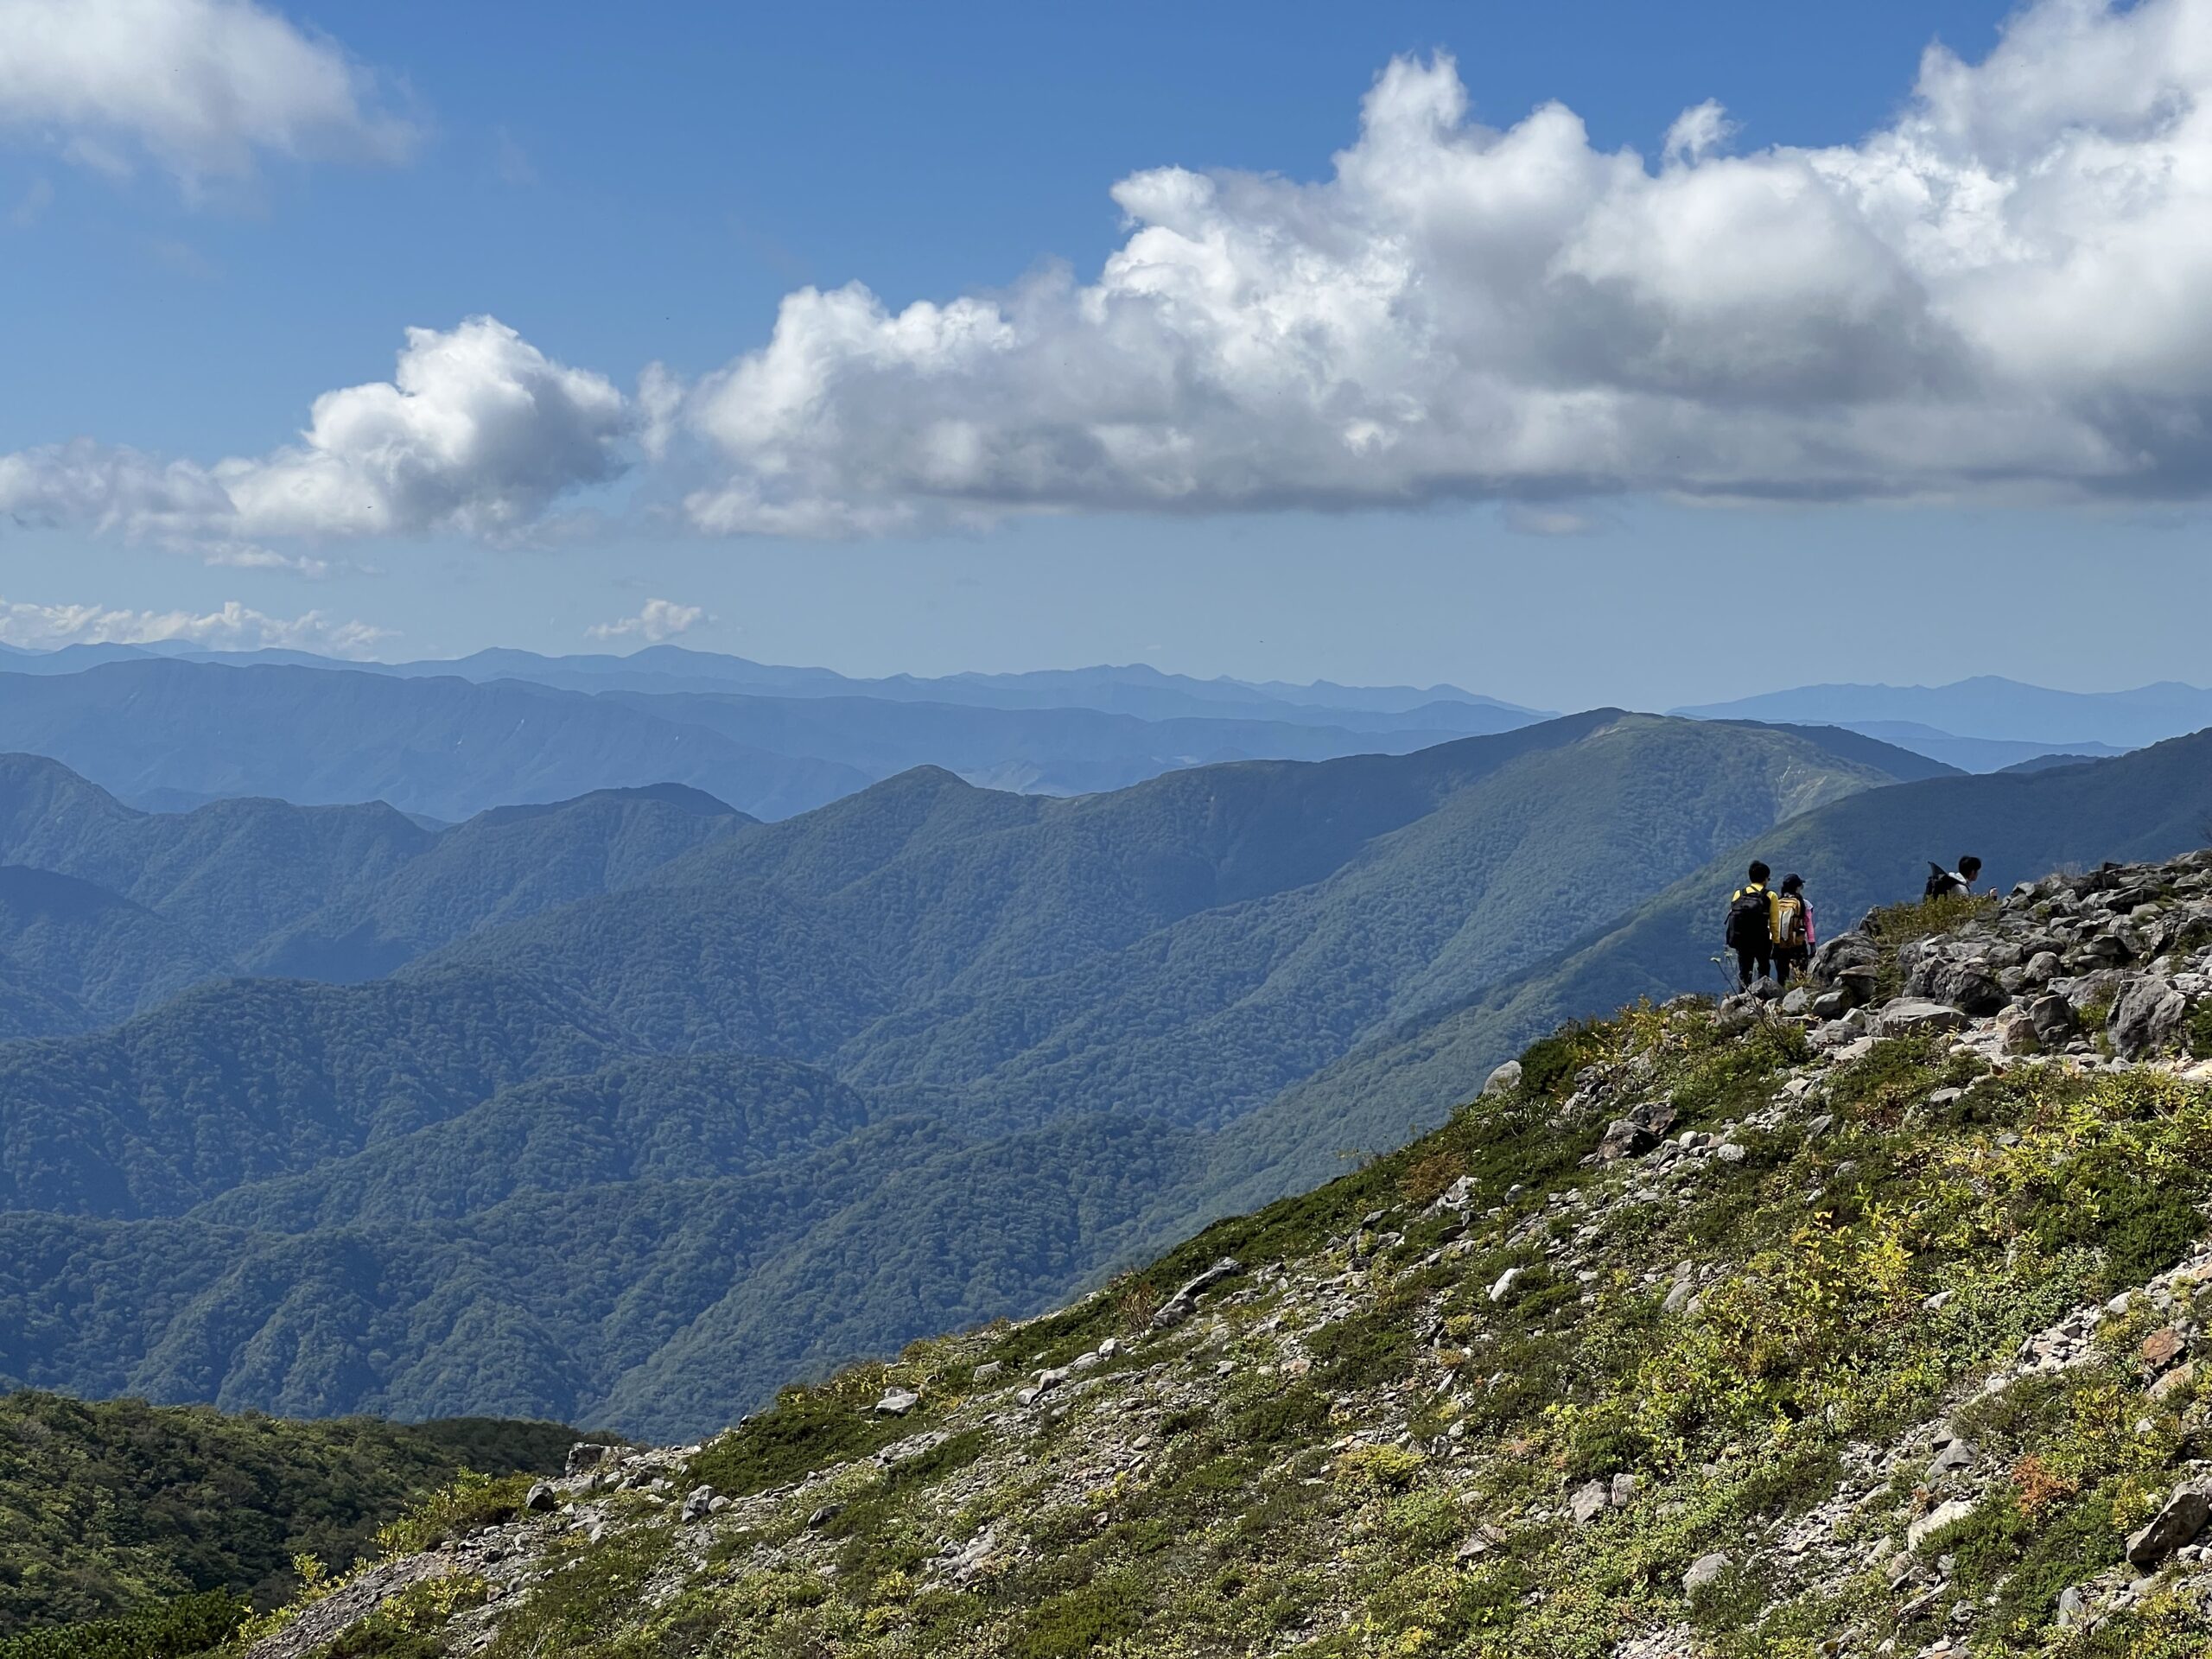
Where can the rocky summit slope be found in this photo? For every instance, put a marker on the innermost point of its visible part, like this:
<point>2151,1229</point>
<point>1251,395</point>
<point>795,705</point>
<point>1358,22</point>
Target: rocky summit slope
<point>1866,1320</point>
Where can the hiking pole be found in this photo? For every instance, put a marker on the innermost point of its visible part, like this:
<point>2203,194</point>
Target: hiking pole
<point>1728,974</point>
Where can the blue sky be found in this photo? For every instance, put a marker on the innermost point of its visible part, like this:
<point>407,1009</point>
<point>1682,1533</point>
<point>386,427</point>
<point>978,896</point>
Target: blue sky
<point>621,195</point>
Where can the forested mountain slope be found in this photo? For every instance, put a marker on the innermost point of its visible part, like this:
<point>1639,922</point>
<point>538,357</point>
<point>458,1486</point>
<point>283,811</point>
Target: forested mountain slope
<point>1864,1325</point>
<point>110,910</point>
<point>798,1091</point>
<point>108,1506</point>
<point>1853,852</point>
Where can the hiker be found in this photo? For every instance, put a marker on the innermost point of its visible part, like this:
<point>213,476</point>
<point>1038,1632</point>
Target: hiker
<point>1793,930</point>
<point>1945,884</point>
<point>1751,926</point>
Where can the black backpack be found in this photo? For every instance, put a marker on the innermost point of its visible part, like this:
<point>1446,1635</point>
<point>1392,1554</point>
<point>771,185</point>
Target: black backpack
<point>1748,921</point>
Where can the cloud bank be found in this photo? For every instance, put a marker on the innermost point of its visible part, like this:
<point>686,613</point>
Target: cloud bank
<point>477,432</point>
<point>1996,297</point>
<point>199,87</point>
<point>660,620</point>
<point>232,626</point>
<point>1998,293</point>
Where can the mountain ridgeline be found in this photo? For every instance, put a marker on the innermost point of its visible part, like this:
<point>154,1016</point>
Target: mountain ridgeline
<point>447,740</point>
<point>631,1108</point>
<point>628,1109</point>
<point>1865,1319</point>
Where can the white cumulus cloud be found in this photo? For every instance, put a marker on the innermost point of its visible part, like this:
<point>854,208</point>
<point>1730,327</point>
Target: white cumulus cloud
<point>1999,292</point>
<point>478,432</point>
<point>660,620</point>
<point>1997,295</point>
<point>232,626</point>
<point>201,87</point>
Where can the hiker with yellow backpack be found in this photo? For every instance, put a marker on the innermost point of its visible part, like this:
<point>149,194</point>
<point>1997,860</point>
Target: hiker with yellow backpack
<point>1793,930</point>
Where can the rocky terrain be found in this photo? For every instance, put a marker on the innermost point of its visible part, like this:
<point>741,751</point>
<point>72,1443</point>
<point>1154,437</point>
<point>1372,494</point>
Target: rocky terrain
<point>1865,1319</point>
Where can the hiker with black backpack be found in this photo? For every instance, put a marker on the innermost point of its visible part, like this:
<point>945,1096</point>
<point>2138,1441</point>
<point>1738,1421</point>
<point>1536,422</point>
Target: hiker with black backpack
<point>1752,926</point>
<point>1793,930</point>
<point>1946,884</point>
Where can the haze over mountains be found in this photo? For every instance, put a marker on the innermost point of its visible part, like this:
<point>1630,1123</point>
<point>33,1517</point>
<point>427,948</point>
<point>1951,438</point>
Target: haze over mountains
<point>631,1105</point>
<point>757,1096</point>
<point>1987,723</point>
<point>169,726</point>
<point>448,740</point>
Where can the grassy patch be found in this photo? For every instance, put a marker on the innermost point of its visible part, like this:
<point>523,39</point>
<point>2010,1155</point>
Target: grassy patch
<point>806,1429</point>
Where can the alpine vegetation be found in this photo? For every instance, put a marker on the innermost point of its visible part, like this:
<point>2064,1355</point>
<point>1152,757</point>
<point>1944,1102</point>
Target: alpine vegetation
<point>1866,1319</point>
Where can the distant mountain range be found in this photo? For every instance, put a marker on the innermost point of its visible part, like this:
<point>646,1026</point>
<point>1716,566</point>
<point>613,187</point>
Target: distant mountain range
<point>617,1050</point>
<point>1987,723</point>
<point>169,730</point>
<point>635,1107</point>
<point>1135,690</point>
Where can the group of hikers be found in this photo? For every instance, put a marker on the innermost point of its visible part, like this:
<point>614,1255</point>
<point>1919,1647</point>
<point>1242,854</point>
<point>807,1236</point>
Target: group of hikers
<point>1770,929</point>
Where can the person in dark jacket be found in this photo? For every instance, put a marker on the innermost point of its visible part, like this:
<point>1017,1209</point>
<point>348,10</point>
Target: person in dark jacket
<point>1751,929</point>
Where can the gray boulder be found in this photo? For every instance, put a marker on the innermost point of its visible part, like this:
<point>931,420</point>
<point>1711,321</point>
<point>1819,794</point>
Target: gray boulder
<point>2054,1019</point>
<point>1704,1570</point>
<point>1184,1302</point>
<point>2145,1019</point>
<point>1589,1501</point>
<point>2174,1526</point>
<point>1910,1015</point>
<point>1503,1080</point>
<point>1971,987</point>
<point>1844,951</point>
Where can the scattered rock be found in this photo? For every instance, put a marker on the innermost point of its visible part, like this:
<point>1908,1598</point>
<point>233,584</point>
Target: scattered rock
<point>2055,1021</point>
<point>1704,1570</point>
<point>1909,1016</point>
<point>2175,1525</point>
<point>2145,1019</point>
<point>897,1403</point>
<point>1951,1509</point>
<point>1589,1501</point>
<point>1954,1458</point>
<point>2163,1346</point>
<point>541,1499</point>
<point>1184,1302</point>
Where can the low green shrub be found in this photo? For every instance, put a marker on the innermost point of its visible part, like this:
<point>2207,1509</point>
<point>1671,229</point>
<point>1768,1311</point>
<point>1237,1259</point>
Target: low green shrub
<point>172,1629</point>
